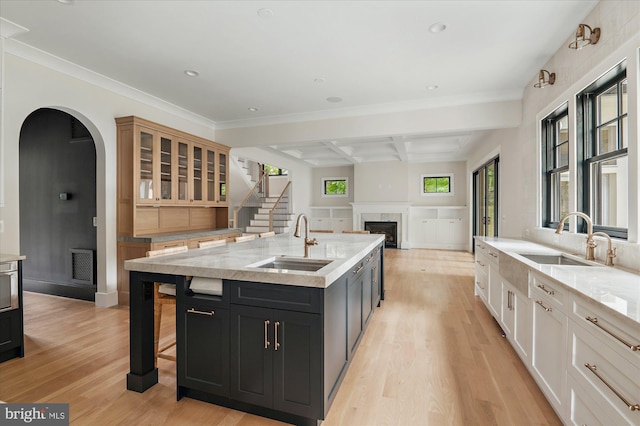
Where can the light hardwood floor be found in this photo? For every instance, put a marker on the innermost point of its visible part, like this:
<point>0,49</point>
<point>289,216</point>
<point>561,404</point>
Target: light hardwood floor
<point>431,355</point>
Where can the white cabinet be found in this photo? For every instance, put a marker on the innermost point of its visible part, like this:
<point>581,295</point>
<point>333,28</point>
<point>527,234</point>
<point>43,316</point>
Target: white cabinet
<point>336,219</point>
<point>438,227</point>
<point>482,273</point>
<point>548,353</point>
<point>604,367</point>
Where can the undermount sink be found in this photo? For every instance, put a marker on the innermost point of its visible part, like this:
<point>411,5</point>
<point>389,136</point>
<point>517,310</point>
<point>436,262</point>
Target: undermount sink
<point>555,259</point>
<point>292,263</point>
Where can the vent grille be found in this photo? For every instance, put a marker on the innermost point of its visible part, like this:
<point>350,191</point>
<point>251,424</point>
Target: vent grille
<point>82,266</point>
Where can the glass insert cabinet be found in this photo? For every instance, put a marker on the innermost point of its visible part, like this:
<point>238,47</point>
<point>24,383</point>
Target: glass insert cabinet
<point>173,170</point>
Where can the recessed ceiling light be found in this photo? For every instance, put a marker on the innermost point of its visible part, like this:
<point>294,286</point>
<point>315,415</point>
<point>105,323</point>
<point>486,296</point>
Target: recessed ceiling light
<point>334,99</point>
<point>191,73</point>
<point>319,80</point>
<point>253,109</point>
<point>265,13</point>
<point>66,1</point>
<point>432,87</point>
<point>438,27</point>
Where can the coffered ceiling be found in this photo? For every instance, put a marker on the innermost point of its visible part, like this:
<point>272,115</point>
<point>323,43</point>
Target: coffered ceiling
<point>261,62</point>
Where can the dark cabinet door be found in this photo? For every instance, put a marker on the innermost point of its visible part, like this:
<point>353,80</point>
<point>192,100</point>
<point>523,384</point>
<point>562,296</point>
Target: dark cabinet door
<point>11,337</point>
<point>367,294</point>
<point>251,355</point>
<point>205,350</point>
<point>297,357</point>
<point>376,283</point>
<point>354,312</point>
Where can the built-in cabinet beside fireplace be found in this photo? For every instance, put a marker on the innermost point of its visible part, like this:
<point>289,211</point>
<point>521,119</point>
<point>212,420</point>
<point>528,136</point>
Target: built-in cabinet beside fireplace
<point>439,227</point>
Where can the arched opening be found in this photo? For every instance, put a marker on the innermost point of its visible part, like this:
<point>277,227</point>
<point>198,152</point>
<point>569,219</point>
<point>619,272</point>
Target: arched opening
<point>58,214</point>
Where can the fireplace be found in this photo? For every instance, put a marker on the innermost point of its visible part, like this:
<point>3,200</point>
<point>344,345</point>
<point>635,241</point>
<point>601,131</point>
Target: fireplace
<point>389,229</point>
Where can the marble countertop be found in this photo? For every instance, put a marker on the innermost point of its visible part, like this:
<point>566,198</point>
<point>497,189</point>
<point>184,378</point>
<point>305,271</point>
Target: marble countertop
<point>156,238</point>
<point>614,288</point>
<point>4,257</point>
<point>231,261</point>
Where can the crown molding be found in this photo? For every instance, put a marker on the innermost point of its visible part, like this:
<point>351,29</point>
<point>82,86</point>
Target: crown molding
<point>8,29</point>
<point>385,108</point>
<point>71,69</point>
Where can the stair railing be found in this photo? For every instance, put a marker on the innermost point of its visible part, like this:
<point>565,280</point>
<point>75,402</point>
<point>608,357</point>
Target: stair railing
<point>284,192</point>
<point>254,191</point>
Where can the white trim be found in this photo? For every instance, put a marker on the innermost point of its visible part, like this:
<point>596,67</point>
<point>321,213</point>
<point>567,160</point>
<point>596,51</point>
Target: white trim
<point>325,179</point>
<point>437,194</point>
<point>55,63</point>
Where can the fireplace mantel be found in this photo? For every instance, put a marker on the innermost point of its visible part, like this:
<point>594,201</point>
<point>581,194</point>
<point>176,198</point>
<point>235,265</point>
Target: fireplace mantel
<point>384,212</point>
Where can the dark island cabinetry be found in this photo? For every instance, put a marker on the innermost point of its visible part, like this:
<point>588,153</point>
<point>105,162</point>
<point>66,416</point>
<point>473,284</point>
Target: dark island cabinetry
<point>203,345</point>
<point>275,350</point>
<point>11,310</point>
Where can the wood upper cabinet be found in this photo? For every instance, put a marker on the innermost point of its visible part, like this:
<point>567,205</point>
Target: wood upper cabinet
<point>171,167</point>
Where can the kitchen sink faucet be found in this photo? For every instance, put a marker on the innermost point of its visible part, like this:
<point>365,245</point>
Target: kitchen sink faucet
<point>307,242</point>
<point>591,245</point>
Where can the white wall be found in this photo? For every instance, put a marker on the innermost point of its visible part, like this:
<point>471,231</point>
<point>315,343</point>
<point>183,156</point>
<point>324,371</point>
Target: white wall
<point>29,86</point>
<point>459,171</point>
<point>381,181</point>
<point>319,173</point>
<point>519,149</point>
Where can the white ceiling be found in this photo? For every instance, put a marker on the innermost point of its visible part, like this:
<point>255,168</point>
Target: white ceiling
<point>368,53</point>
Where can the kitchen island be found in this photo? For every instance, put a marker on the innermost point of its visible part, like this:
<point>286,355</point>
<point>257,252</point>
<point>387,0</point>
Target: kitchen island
<point>255,330</point>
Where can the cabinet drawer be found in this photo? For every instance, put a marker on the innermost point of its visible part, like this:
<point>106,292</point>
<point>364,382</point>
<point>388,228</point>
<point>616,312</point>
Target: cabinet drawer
<point>620,337</point>
<point>606,377</point>
<point>302,299</point>
<point>168,244</point>
<point>547,291</point>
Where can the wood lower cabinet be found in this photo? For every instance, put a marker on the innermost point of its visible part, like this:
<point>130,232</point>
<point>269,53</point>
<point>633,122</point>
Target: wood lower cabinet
<point>276,359</point>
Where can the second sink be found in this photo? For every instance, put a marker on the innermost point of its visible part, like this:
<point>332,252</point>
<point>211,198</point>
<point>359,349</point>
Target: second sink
<point>555,259</point>
<point>292,263</point>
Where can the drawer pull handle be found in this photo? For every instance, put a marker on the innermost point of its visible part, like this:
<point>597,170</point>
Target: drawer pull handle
<point>595,322</point>
<point>275,326</point>
<point>195,311</point>
<point>543,288</point>
<point>266,332</point>
<point>594,370</point>
<point>358,269</point>
<point>479,263</point>
<point>539,302</point>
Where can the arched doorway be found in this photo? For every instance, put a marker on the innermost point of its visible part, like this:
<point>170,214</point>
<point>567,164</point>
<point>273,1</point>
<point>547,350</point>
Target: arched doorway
<point>58,205</point>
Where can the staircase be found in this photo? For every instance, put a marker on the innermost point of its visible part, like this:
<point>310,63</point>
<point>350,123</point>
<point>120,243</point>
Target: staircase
<point>282,219</point>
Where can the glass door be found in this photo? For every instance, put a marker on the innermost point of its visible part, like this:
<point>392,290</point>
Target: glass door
<point>197,174</point>
<point>211,176</point>
<point>166,160</point>
<point>222,177</point>
<point>146,166</point>
<point>183,171</point>
<point>485,199</point>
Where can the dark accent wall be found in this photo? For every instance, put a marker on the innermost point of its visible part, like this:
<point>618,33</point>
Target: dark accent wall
<point>57,157</point>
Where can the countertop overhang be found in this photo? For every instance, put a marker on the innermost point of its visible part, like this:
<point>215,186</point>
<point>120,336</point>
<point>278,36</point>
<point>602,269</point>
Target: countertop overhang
<point>614,288</point>
<point>230,261</point>
<point>4,257</point>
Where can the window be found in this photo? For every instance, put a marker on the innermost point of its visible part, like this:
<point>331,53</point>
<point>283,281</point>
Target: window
<point>604,160</point>
<point>555,166</point>
<point>335,187</point>
<point>441,184</point>
<point>275,171</point>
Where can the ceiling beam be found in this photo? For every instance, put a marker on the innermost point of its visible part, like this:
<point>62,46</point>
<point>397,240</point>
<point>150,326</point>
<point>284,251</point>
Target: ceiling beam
<point>398,143</point>
<point>333,147</point>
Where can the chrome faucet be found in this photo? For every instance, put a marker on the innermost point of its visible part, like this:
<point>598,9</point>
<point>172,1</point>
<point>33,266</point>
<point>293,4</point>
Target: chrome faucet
<point>307,242</point>
<point>611,252</point>
<point>591,245</point>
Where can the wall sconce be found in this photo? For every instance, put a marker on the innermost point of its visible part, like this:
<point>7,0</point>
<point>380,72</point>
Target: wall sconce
<point>585,36</point>
<point>545,79</point>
